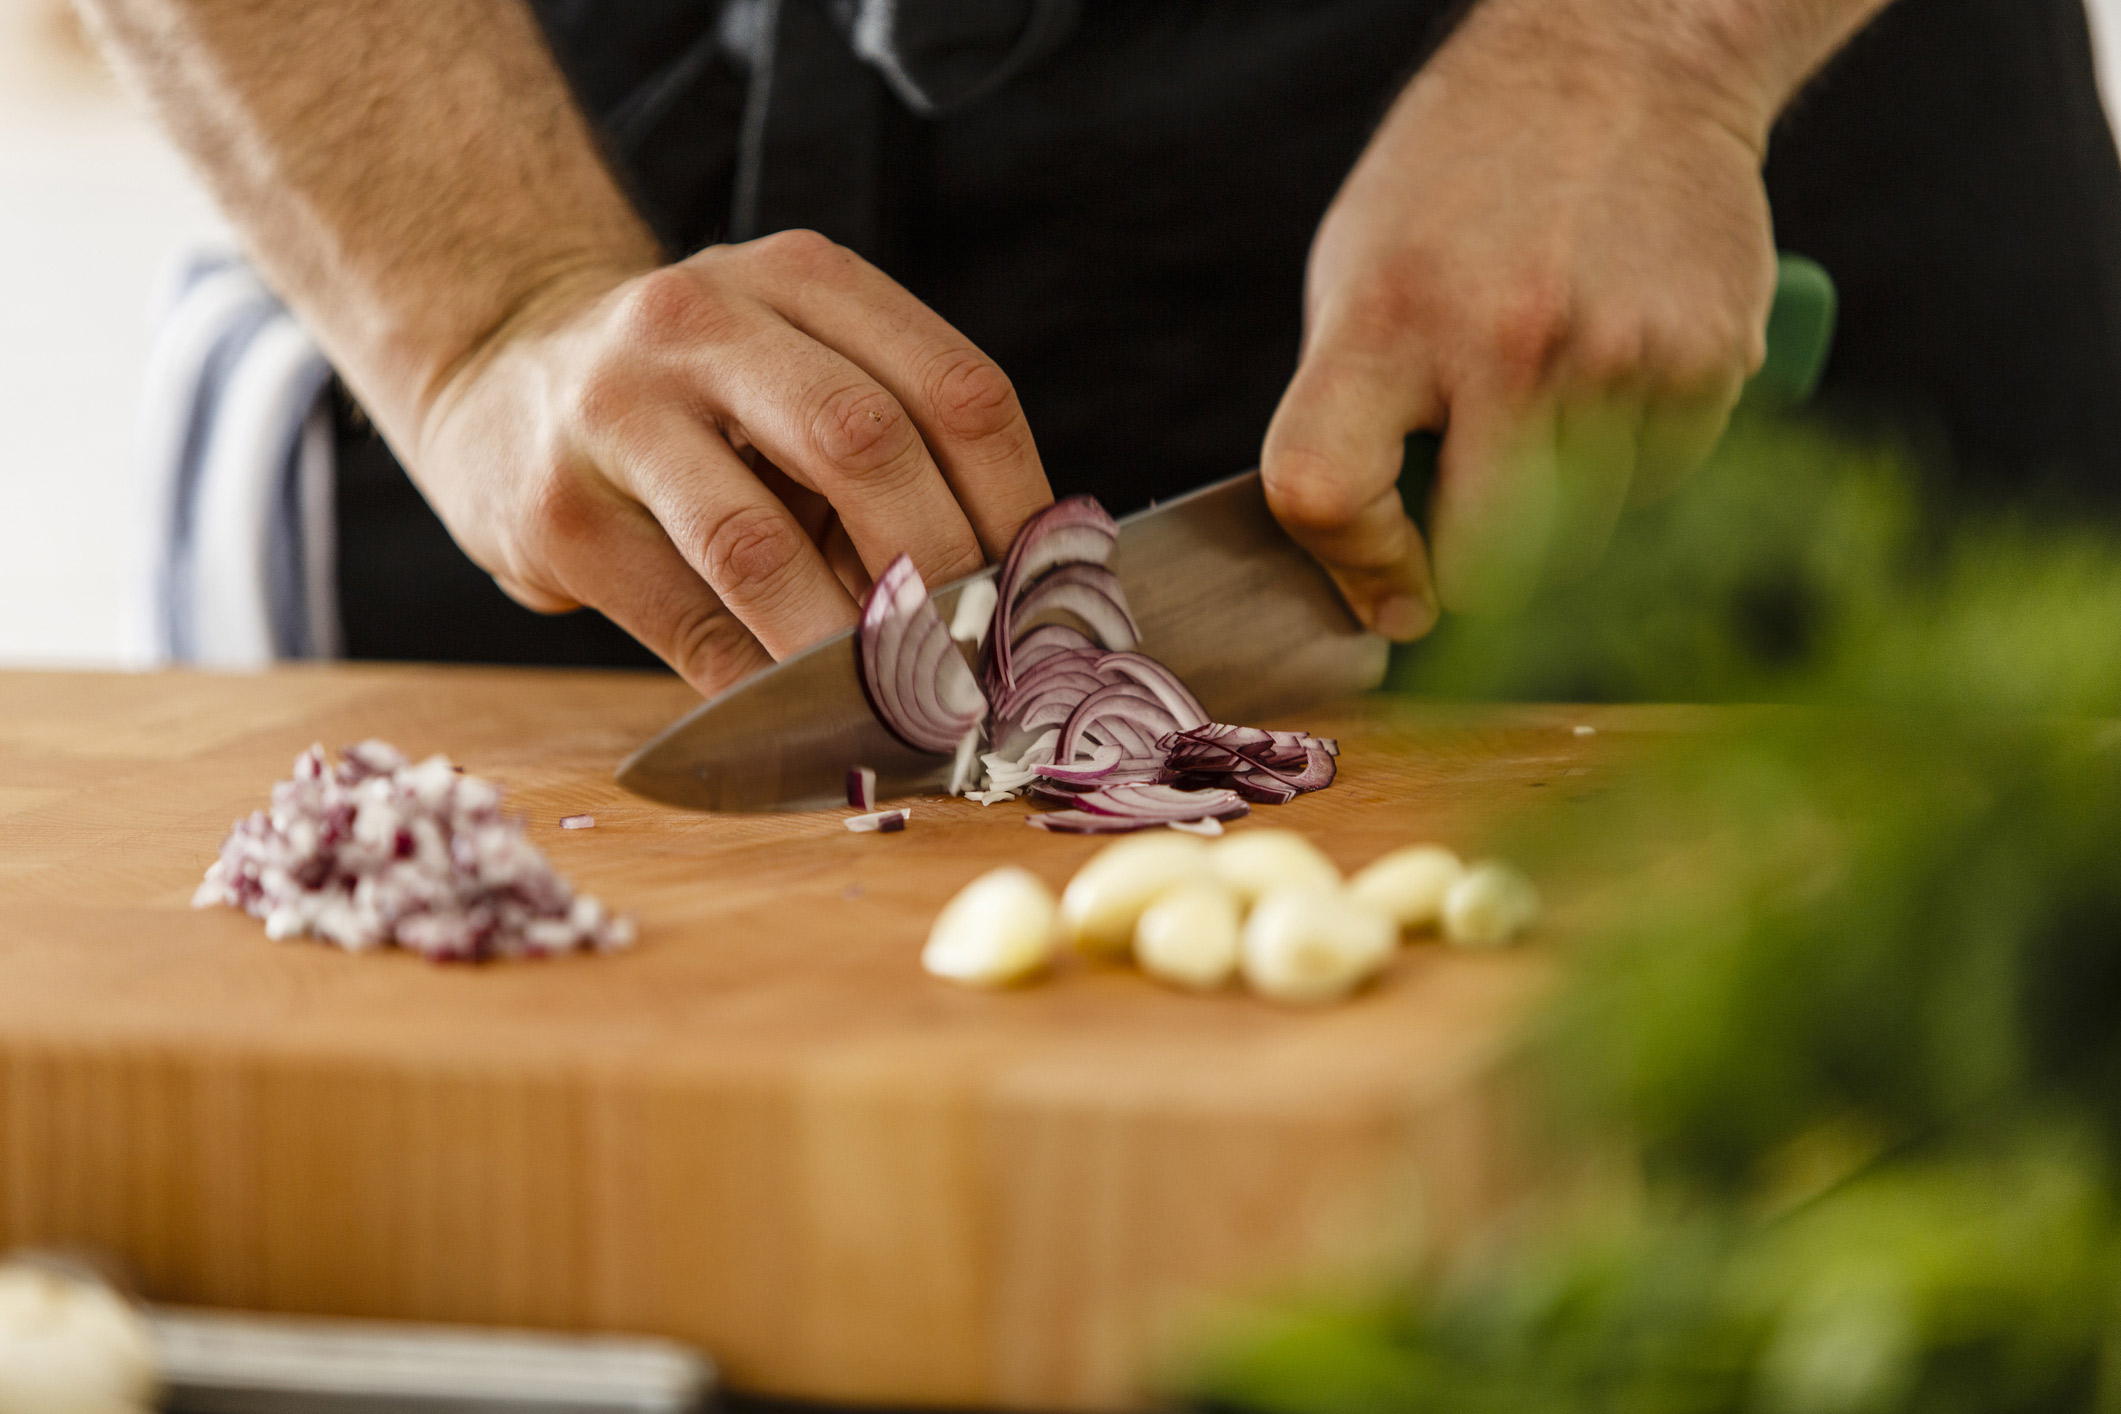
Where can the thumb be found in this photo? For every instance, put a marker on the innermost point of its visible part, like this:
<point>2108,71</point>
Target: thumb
<point>1331,470</point>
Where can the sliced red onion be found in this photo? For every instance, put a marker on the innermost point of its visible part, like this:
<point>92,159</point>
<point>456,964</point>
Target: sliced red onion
<point>1124,704</point>
<point>1184,707</point>
<point>917,682</point>
<point>880,822</point>
<point>1163,803</point>
<point>1256,785</point>
<point>1210,827</point>
<point>861,788</point>
<point>1082,822</point>
<point>1047,638</point>
<point>964,768</point>
<point>578,822</point>
<point>1077,717</point>
<point>1089,592</point>
<point>1101,761</point>
<point>1075,531</point>
<point>974,612</point>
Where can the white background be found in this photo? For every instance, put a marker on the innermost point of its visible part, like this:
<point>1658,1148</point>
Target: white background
<point>93,207</point>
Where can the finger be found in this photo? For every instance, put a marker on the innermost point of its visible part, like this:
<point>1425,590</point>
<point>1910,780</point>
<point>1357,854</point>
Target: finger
<point>961,402</point>
<point>1595,450</point>
<point>1679,434</point>
<point>1331,466</point>
<point>732,531</point>
<point>845,560</point>
<point>1497,502</point>
<point>627,567</point>
<point>833,429</point>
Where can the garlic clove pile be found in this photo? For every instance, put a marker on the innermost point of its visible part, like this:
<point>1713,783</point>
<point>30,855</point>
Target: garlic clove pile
<point>998,930</point>
<point>1189,936</point>
<point>1105,899</point>
<point>1309,945</point>
<point>1253,863</point>
<point>1491,905</point>
<point>1408,885</point>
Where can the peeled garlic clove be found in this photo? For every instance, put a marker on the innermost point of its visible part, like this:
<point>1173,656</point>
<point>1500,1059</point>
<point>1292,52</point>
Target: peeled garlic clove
<point>1252,863</point>
<point>71,1345</point>
<point>1314,945</point>
<point>1105,899</point>
<point>998,930</point>
<point>1492,904</point>
<point>1408,885</point>
<point>1189,936</point>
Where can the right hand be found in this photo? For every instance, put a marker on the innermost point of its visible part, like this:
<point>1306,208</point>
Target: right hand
<point>720,454</point>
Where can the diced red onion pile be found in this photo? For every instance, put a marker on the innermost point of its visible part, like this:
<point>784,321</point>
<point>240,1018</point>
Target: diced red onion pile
<point>375,850</point>
<point>1073,714</point>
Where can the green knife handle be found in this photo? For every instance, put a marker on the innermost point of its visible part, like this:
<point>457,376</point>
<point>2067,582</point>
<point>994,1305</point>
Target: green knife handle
<point>1800,334</point>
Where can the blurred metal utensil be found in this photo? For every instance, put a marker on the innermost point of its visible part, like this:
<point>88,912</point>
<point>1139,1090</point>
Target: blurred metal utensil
<point>217,1362</point>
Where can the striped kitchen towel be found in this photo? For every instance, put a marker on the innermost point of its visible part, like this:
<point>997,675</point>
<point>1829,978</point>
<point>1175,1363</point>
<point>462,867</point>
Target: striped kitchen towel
<point>238,568</point>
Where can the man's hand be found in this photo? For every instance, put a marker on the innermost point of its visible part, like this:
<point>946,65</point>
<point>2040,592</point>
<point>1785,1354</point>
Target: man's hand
<point>716,453</point>
<point>720,454</point>
<point>1557,252</point>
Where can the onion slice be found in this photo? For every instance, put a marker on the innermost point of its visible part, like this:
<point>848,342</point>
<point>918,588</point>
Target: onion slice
<point>917,682</point>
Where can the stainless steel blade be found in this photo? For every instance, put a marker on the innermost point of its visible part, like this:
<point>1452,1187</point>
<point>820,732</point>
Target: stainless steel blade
<point>1223,596</point>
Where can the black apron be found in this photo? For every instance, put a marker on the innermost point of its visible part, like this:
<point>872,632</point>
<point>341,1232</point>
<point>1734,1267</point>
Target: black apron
<point>1114,199</point>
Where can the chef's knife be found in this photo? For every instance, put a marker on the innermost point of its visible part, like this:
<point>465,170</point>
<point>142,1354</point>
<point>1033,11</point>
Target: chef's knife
<point>1223,596</point>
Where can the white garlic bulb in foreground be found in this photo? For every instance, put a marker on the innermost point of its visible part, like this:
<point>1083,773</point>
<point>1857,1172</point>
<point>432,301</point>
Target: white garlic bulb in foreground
<point>1408,885</point>
<point>1491,905</point>
<point>1189,936</point>
<point>1253,863</point>
<point>69,1345</point>
<point>998,930</point>
<point>1314,945</point>
<point>1106,897</point>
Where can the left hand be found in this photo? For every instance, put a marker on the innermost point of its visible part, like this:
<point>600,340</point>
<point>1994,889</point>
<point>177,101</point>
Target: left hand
<point>1556,253</point>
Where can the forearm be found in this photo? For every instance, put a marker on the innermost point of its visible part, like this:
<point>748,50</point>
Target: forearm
<point>409,173</point>
<point>1744,60</point>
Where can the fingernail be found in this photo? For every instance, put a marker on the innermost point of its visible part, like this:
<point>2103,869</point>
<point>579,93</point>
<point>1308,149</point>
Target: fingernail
<point>1403,617</point>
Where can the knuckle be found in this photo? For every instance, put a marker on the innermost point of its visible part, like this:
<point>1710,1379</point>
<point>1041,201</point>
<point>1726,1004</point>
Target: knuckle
<point>1528,332</point>
<point>1307,491</point>
<point>801,252</point>
<point>748,553</point>
<point>673,305</point>
<point>1610,352</point>
<point>973,399</point>
<point>1391,305</point>
<point>1701,361</point>
<point>862,431</point>
<point>562,513</point>
<point>662,304</point>
<point>710,649</point>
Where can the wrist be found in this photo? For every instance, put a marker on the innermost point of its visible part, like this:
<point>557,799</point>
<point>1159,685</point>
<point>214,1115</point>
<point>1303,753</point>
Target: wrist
<point>539,301</point>
<point>1735,63</point>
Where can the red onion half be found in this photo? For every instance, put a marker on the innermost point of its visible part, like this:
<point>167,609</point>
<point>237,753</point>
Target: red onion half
<point>1076,717</point>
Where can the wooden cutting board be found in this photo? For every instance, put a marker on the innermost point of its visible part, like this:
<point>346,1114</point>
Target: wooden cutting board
<point>764,1129</point>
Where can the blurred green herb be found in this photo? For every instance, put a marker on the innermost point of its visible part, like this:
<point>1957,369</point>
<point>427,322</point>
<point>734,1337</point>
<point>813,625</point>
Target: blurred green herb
<point>1859,1024</point>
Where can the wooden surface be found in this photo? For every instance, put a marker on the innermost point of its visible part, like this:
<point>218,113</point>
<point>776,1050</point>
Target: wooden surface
<point>765,1129</point>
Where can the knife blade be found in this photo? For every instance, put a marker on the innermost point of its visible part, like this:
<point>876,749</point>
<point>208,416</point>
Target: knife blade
<point>1224,598</point>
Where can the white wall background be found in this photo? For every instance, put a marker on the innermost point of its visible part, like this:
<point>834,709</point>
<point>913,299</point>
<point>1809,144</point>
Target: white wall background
<point>93,206</point>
